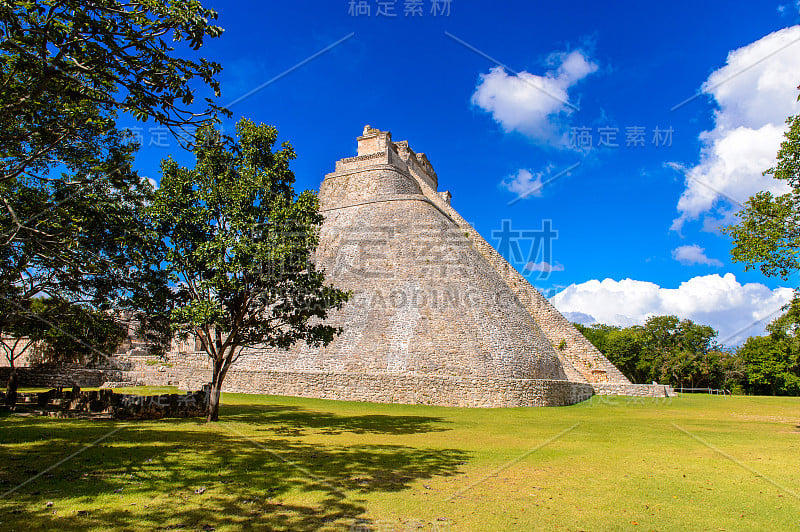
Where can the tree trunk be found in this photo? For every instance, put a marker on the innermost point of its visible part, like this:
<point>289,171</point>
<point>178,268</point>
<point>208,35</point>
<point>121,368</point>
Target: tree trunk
<point>216,390</point>
<point>11,386</point>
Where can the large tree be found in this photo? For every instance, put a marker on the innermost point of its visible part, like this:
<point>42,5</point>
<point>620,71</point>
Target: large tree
<point>768,237</point>
<point>239,248</point>
<point>71,205</point>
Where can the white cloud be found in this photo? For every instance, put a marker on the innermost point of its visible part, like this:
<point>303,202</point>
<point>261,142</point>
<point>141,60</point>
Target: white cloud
<point>735,310</point>
<point>523,183</point>
<point>544,266</point>
<point>533,105</point>
<point>693,254</point>
<point>755,92</point>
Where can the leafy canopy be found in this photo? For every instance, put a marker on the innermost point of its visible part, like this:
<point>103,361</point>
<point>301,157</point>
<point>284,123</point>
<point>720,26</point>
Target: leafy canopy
<point>771,363</point>
<point>72,223</point>
<point>665,349</point>
<point>67,68</point>
<point>239,247</point>
<point>768,233</point>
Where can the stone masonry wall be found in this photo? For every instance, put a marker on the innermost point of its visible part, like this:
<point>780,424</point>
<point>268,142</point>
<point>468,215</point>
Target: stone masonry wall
<point>579,354</point>
<point>637,390</point>
<point>65,376</point>
<point>408,388</point>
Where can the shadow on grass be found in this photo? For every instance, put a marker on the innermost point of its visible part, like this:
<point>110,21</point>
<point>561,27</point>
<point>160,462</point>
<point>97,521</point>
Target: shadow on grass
<point>186,475</point>
<point>296,421</point>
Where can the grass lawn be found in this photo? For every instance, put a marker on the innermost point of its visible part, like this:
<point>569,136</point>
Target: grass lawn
<point>279,463</point>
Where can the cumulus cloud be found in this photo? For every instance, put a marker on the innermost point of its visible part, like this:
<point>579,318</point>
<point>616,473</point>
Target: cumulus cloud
<point>536,106</point>
<point>693,254</point>
<point>544,266</point>
<point>523,183</point>
<point>735,310</point>
<point>755,92</point>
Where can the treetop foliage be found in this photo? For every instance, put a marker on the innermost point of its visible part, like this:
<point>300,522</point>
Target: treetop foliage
<point>238,244</point>
<point>67,68</point>
<point>768,233</point>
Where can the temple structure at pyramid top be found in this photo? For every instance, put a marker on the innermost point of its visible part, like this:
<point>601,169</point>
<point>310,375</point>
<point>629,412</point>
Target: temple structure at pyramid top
<point>437,315</point>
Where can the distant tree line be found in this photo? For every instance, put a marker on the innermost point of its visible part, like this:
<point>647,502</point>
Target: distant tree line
<point>683,353</point>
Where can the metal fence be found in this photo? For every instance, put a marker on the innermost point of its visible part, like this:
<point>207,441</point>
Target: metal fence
<point>710,391</point>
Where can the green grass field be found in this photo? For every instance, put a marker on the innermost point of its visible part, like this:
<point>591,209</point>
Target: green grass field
<point>279,463</point>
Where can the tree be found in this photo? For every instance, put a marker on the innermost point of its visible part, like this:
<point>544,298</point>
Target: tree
<point>768,234</point>
<point>664,349</point>
<point>678,351</point>
<point>768,237</point>
<point>80,335</point>
<point>240,243</point>
<point>71,225</point>
<point>625,349</point>
<point>20,332</point>
<point>60,332</point>
<point>767,363</point>
<point>772,362</point>
<point>92,248</point>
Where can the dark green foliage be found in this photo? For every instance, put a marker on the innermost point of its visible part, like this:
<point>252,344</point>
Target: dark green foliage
<point>72,225</point>
<point>768,234</point>
<point>68,68</point>
<point>664,349</point>
<point>240,243</point>
<point>771,363</point>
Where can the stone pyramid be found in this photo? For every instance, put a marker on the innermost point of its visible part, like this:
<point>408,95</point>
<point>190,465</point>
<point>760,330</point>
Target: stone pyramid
<point>437,315</point>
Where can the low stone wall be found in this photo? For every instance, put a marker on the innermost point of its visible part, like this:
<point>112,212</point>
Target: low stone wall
<point>66,376</point>
<point>119,406</point>
<point>190,404</point>
<point>407,388</point>
<point>636,390</point>
<point>138,373</point>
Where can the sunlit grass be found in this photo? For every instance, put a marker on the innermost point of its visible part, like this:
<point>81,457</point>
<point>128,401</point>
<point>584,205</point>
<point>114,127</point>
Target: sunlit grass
<point>281,463</point>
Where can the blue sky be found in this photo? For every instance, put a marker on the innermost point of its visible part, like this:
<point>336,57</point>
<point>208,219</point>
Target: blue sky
<point>637,225</point>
